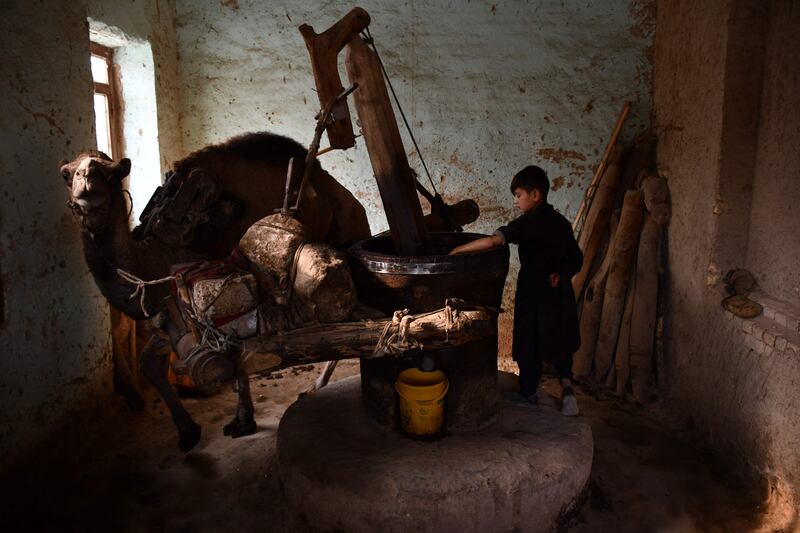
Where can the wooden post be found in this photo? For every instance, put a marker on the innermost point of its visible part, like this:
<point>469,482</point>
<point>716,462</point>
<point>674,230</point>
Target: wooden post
<point>324,50</point>
<point>622,357</point>
<point>601,167</point>
<point>595,228</point>
<point>644,308</point>
<point>591,309</point>
<point>396,181</point>
<point>625,244</point>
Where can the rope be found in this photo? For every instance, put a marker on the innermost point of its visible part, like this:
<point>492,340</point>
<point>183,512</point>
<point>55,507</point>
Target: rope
<point>370,41</point>
<point>130,209</point>
<point>212,338</point>
<point>450,319</point>
<point>140,286</point>
<point>400,340</point>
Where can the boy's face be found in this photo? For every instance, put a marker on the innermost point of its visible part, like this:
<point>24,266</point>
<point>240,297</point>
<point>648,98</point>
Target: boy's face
<point>526,201</point>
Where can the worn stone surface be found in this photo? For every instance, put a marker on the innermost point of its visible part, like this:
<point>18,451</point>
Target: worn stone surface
<point>739,392</point>
<point>521,473</point>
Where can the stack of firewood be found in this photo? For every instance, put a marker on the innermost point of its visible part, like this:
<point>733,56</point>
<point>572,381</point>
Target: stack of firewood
<point>617,288</point>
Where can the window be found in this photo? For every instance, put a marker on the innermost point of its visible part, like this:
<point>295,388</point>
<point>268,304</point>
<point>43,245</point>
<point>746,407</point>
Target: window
<point>105,100</point>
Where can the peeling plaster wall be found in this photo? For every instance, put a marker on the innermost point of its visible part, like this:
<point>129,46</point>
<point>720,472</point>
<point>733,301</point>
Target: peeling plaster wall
<point>55,328</point>
<point>773,253</point>
<point>56,359</point>
<point>488,87</point>
<point>734,381</point>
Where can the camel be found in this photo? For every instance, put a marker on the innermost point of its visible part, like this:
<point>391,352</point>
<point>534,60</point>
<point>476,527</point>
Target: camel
<point>250,171</point>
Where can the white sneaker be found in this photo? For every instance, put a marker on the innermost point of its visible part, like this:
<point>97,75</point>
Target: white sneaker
<point>569,403</point>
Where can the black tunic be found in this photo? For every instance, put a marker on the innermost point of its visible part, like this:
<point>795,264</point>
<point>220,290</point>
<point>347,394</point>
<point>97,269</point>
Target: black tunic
<point>545,317</point>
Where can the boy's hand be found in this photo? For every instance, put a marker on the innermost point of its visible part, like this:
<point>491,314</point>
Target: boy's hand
<point>554,280</point>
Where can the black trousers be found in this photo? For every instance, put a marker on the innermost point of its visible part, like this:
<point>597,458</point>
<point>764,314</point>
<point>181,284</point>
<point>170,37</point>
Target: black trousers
<point>530,372</point>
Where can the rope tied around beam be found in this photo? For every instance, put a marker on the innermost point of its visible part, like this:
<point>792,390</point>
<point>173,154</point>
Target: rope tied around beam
<point>395,338</point>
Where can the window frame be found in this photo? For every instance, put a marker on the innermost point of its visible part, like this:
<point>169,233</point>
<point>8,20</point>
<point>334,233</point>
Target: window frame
<point>109,90</point>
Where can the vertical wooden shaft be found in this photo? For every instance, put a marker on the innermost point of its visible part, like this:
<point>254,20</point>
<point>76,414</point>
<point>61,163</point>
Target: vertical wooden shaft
<point>396,181</point>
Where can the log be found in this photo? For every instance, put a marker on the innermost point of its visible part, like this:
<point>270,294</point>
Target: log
<point>331,342</point>
<point>645,309</point>
<point>601,167</point>
<point>622,361</point>
<point>590,311</point>
<point>637,162</point>
<point>324,50</point>
<point>596,226</point>
<point>396,181</point>
<point>656,198</point>
<point>625,244</point>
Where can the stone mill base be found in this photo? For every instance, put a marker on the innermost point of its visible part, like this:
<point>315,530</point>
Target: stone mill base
<point>340,471</point>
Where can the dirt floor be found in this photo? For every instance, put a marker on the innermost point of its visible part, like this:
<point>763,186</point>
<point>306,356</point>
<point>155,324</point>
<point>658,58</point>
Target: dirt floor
<point>647,476</point>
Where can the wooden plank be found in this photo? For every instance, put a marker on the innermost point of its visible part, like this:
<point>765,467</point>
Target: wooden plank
<point>324,50</point>
<point>396,181</point>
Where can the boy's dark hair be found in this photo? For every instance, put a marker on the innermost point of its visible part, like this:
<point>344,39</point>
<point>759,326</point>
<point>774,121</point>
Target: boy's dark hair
<point>529,178</point>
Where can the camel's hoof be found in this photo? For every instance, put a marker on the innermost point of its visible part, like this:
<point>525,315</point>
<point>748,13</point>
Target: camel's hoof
<point>188,438</point>
<point>237,428</point>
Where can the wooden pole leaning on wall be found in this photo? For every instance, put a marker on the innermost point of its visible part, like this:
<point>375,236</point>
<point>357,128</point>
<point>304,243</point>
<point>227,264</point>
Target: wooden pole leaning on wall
<point>595,228</point>
<point>622,356</point>
<point>619,274</point>
<point>324,50</point>
<point>591,308</point>
<point>396,181</point>
<point>643,324</point>
<point>587,198</point>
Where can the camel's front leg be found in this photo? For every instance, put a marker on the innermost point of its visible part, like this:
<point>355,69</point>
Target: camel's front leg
<point>151,363</point>
<point>244,423</point>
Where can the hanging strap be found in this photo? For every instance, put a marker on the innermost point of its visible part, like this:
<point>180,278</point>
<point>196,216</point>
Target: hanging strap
<point>367,37</point>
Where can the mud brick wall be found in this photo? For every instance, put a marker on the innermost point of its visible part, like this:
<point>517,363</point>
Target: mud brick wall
<point>724,75</point>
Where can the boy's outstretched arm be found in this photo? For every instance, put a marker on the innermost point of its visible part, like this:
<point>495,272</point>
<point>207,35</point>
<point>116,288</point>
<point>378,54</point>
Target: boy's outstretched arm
<point>478,245</point>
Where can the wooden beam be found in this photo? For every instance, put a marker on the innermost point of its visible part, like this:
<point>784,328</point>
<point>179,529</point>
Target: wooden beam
<point>331,342</point>
<point>324,50</point>
<point>396,181</point>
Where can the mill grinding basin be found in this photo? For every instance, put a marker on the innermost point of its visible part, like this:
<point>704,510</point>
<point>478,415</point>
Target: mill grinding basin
<point>422,283</point>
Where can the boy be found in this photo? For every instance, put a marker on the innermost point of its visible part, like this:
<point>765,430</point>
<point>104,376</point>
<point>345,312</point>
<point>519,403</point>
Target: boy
<point>545,314</point>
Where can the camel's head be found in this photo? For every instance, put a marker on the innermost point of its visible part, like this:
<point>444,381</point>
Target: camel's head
<point>94,186</point>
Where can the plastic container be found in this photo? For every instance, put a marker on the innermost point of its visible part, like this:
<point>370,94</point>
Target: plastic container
<point>422,400</point>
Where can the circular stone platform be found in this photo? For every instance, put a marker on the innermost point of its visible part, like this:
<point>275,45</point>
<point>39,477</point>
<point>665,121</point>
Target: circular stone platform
<point>342,471</point>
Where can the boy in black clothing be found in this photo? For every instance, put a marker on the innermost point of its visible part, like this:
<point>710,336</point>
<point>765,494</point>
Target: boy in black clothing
<point>545,313</point>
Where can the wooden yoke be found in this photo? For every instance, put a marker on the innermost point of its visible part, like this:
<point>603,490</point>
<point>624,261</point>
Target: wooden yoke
<point>324,50</point>
<point>396,181</point>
